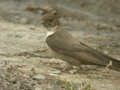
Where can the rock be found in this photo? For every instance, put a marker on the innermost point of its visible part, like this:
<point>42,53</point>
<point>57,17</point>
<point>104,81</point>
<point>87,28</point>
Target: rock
<point>39,77</point>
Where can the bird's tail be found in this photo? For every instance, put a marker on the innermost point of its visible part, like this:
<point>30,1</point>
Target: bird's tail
<point>115,64</point>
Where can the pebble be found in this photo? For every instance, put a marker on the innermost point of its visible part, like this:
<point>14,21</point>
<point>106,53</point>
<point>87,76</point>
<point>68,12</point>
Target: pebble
<point>39,77</point>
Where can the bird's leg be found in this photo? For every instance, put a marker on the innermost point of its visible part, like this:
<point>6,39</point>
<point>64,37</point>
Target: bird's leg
<point>108,66</point>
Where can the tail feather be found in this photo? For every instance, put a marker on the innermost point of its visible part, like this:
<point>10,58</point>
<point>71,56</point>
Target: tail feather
<point>115,64</point>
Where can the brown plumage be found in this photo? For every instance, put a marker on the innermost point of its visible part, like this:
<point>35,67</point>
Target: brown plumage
<point>50,15</point>
<point>51,19</point>
<point>66,47</point>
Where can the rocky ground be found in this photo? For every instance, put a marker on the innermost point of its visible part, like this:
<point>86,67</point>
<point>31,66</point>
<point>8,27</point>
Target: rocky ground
<point>25,62</point>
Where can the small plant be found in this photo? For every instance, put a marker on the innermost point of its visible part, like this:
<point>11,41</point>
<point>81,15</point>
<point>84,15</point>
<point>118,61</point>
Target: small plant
<point>88,87</point>
<point>69,85</point>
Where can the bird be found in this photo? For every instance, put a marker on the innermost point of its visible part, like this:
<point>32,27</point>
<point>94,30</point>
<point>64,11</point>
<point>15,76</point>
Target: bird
<point>67,48</point>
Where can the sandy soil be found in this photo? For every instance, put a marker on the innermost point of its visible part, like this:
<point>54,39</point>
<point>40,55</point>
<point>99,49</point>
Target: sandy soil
<point>25,61</point>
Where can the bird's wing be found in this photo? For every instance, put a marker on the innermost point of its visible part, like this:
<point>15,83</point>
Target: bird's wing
<point>77,51</point>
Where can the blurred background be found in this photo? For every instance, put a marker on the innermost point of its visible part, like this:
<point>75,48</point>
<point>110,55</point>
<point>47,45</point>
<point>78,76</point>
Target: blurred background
<point>94,22</point>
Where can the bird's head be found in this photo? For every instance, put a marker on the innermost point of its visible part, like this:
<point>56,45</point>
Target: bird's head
<point>50,17</point>
<point>50,20</point>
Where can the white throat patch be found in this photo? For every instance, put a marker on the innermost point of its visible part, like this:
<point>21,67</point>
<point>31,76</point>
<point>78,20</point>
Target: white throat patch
<point>49,33</point>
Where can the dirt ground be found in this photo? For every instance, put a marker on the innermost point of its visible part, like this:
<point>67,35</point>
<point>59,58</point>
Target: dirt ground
<point>25,62</point>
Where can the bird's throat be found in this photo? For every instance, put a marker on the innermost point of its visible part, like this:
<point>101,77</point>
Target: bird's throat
<point>49,33</point>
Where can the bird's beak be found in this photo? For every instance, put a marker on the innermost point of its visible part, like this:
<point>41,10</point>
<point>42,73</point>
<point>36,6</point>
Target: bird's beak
<point>45,9</point>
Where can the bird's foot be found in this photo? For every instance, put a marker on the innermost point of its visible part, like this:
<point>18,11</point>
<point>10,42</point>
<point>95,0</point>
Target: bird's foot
<point>107,68</point>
